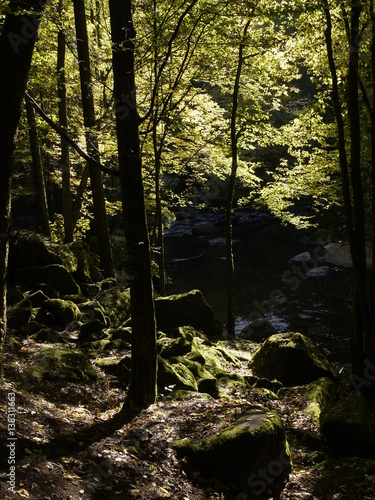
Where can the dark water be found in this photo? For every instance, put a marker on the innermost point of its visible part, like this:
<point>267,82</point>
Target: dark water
<point>265,282</point>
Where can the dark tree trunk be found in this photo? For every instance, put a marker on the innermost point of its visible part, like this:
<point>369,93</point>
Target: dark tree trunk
<point>96,180</point>
<point>232,183</point>
<point>16,48</point>
<point>142,390</point>
<point>38,174</point>
<point>63,122</point>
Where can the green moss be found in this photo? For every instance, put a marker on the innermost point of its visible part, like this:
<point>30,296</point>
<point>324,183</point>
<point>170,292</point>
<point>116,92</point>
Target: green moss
<point>253,441</point>
<point>176,375</point>
<point>20,314</point>
<point>58,313</point>
<point>318,394</point>
<point>55,363</point>
<point>290,358</point>
<point>116,303</point>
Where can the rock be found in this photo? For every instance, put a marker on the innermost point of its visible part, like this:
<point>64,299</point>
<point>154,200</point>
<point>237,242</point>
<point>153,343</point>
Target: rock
<point>186,309</point>
<point>14,295</point>
<point>263,383</point>
<point>198,370</point>
<point>49,336</point>
<point>68,259</point>
<point>88,263</point>
<point>207,385</point>
<point>89,328</point>
<point>27,249</point>
<point>292,359</point>
<point>339,254</point>
<point>20,314</point>
<point>320,272</point>
<point>57,313</point>
<point>54,362</point>
<point>176,376</point>
<point>37,298</point>
<point>318,394</point>
<point>182,395</point>
<point>349,426</point>
<point>240,452</point>
<point>93,310</point>
<point>116,304</point>
<point>230,386</point>
<point>301,257</point>
<point>50,292</point>
<point>258,329</point>
<point>123,334</point>
<point>56,276</point>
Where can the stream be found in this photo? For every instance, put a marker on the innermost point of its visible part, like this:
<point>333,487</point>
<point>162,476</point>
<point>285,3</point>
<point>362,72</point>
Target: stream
<point>267,283</point>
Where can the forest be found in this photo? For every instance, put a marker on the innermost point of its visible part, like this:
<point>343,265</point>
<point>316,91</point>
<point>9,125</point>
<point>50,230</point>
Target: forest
<point>187,248</point>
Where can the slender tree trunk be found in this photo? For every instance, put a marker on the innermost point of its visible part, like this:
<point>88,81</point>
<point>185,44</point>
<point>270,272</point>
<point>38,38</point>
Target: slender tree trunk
<point>232,183</point>
<point>63,122</point>
<point>16,48</point>
<point>96,180</point>
<point>142,390</point>
<point>38,174</point>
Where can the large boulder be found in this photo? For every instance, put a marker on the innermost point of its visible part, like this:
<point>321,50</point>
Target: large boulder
<point>116,304</point>
<point>57,313</point>
<point>56,276</point>
<point>87,263</point>
<point>290,358</point>
<point>319,394</point>
<point>27,249</point>
<point>20,314</point>
<point>186,309</point>
<point>54,362</point>
<point>176,376</point>
<point>243,452</point>
<point>349,426</point>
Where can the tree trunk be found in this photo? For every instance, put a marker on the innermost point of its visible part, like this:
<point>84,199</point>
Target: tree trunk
<point>142,390</point>
<point>63,122</point>
<point>38,174</point>
<point>16,48</point>
<point>232,183</point>
<point>96,180</point>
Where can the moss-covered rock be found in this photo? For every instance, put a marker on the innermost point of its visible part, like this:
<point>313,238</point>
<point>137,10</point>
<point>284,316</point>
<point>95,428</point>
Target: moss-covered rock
<point>88,263</point>
<point>20,314</point>
<point>68,259</point>
<point>290,358</point>
<point>56,276</point>
<point>116,304</point>
<point>47,335</point>
<point>57,313</point>
<point>124,333</point>
<point>37,298</point>
<point>186,309</point>
<point>14,295</point>
<point>349,426</point>
<point>182,395</point>
<point>176,376</point>
<point>92,310</point>
<point>28,249</point>
<point>318,394</point>
<point>198,370</point>
<point>54,362</point>
<point>254,442</point>
<point>263,383</point>
<point>230,386</point>
<point>50,292</point>
<point>117,345</point>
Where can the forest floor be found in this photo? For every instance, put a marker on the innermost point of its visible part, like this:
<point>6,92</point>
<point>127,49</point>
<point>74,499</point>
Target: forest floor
<point>74,442</point>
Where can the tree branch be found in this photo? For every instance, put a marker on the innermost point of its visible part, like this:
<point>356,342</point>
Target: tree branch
<point>69,140</point>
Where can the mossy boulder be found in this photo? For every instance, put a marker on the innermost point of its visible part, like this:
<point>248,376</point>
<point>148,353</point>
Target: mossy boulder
<point>230,386</point>
<point>176,376</point>
<point>27,249</point>
<point>47,335</point>
<point>50,292</point>
<point>349,426</point>
<point>68,259</point>
<point>92,310</point>
<point>290,358</point>
<point>56,276</point>
<point>57,313</point>
<point>124,333</point>
<point>92,330</point>
<point>88,263</point>
<point>198,370</point>
<point>186,309</point>
<point>253,443</point>
<point>14,295</point>
<point>116,304</point>
<point>318,394</point>
<point>20,314</point>
<point>54,362</point>
<point>37,298</point>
